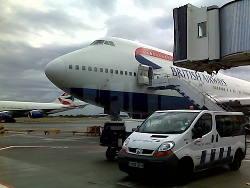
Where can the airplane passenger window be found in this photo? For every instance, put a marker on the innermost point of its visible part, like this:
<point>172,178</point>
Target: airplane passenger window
<point>101,69</point>
<point>95,69</point>
<point>90,68</point>
<point>134,73</point>
<point>83,68</point>
<point>106,70</point>
<point>130,73</point>
<point>70,67</point>
<point>77,67</point>
<point>116,71</point>
<point>111,71</point>
<point>121,72</point>
<point>126,73</point>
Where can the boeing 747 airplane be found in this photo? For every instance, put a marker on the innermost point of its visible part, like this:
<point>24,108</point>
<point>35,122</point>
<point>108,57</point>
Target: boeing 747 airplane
<point>11,109</point>
<point>121,75</point>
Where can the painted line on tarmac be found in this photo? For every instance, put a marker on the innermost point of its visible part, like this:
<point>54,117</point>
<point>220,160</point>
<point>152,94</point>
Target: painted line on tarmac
<point>53,147</point>
<point>4,185</point>
<point>127,184</point>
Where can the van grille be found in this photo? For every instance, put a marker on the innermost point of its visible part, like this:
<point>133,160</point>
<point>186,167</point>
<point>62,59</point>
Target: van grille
<point>139,151</point>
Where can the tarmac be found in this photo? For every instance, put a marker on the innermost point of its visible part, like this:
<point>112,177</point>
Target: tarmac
<point>63,159</point>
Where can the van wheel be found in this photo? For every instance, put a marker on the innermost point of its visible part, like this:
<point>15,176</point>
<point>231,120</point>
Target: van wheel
<point>235,165</point>
<point>184,172</point>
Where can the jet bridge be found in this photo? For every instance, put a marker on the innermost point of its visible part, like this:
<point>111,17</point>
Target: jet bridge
<point>189,90</point>
<point>212,38</point>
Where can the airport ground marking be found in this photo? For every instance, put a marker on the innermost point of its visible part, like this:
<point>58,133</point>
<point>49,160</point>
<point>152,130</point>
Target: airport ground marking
<point>4,185</point>
<point>53,147</point>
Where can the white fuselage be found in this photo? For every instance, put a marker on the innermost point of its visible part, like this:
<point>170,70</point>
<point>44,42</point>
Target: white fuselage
<point>82,73</point>
<point>15,106</point>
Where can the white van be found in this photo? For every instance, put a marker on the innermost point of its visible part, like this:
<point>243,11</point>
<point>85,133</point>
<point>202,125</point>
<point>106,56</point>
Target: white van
<point>179,142</point>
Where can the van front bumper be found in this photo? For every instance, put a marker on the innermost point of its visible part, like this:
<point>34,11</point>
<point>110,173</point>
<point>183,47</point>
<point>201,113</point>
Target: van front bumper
<point>147,165</point>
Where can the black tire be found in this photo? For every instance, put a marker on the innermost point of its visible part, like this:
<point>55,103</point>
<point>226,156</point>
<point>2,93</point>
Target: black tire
<point>184,172</point>
<point>110,154</point>
<point>235,165</point>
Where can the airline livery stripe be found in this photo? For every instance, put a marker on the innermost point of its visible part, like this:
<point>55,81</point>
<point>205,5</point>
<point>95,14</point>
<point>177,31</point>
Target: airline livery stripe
<point>153,53</point>
<point>212,156</point>
<point>145,61</point>
<point>203,157</point>
<point>229,151</point>
<point>221,153</point>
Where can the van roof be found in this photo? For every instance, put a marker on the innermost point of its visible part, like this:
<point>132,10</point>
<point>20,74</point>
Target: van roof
<point>215,112</point>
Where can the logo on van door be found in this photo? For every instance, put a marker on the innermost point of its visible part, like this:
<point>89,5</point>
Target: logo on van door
<point>138,151</point>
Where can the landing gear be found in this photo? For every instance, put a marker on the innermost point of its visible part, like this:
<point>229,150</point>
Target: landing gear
<point>10,120</point>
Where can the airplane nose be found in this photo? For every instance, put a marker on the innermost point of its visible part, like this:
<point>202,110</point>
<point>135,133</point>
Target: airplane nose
<point>55,71</point>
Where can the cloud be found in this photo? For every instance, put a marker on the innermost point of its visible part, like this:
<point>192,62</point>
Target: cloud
<point>32,33</point>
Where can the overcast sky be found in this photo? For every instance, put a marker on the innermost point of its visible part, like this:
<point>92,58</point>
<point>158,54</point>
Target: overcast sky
<point>34,32</point>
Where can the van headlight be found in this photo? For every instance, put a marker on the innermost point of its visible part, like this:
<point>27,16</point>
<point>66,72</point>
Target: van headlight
<point>125,145</point>
<point>164,149</point>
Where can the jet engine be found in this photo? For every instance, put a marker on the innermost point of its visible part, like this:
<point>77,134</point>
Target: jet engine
<point>7,117</point>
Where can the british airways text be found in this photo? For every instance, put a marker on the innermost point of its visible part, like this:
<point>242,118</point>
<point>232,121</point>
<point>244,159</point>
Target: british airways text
<point>188,74</point>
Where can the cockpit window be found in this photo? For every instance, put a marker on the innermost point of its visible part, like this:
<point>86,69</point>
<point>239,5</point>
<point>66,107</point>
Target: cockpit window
<point>111,43</point>
<point>106,42</point>
<point>96,42</point>
<point>101,42</point>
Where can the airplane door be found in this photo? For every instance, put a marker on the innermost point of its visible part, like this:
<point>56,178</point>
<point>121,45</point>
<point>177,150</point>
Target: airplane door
<point>144,75</point>
<point>202,149</point>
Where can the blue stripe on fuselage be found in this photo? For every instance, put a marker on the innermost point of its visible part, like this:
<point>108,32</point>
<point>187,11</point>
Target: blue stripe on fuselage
<point>130,102</point>
<point>145,61</point>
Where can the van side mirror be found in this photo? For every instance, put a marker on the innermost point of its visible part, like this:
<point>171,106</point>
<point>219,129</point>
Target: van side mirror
<point>197,132</point>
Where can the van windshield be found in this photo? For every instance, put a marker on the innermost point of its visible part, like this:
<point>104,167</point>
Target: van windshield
<point>168,122</point>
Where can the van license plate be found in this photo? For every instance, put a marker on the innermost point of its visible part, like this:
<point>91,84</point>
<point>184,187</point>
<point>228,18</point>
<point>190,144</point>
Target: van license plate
<point>135,164</point>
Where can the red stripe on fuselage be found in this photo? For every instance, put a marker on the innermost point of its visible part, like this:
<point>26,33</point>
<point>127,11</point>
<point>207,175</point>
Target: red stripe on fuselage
<point>153,53</point>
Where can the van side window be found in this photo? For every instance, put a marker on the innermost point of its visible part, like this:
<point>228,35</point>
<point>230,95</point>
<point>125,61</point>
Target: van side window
<point>229,125</point>
<point>205,123</point>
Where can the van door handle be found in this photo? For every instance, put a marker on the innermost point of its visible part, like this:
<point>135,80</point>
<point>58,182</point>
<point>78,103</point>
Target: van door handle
<point>217,137</point>
<point>212,138</point>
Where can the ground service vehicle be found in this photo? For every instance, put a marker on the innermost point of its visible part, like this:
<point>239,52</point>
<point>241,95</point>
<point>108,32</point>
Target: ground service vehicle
<point>179,142</point>
<point>114,133</point>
